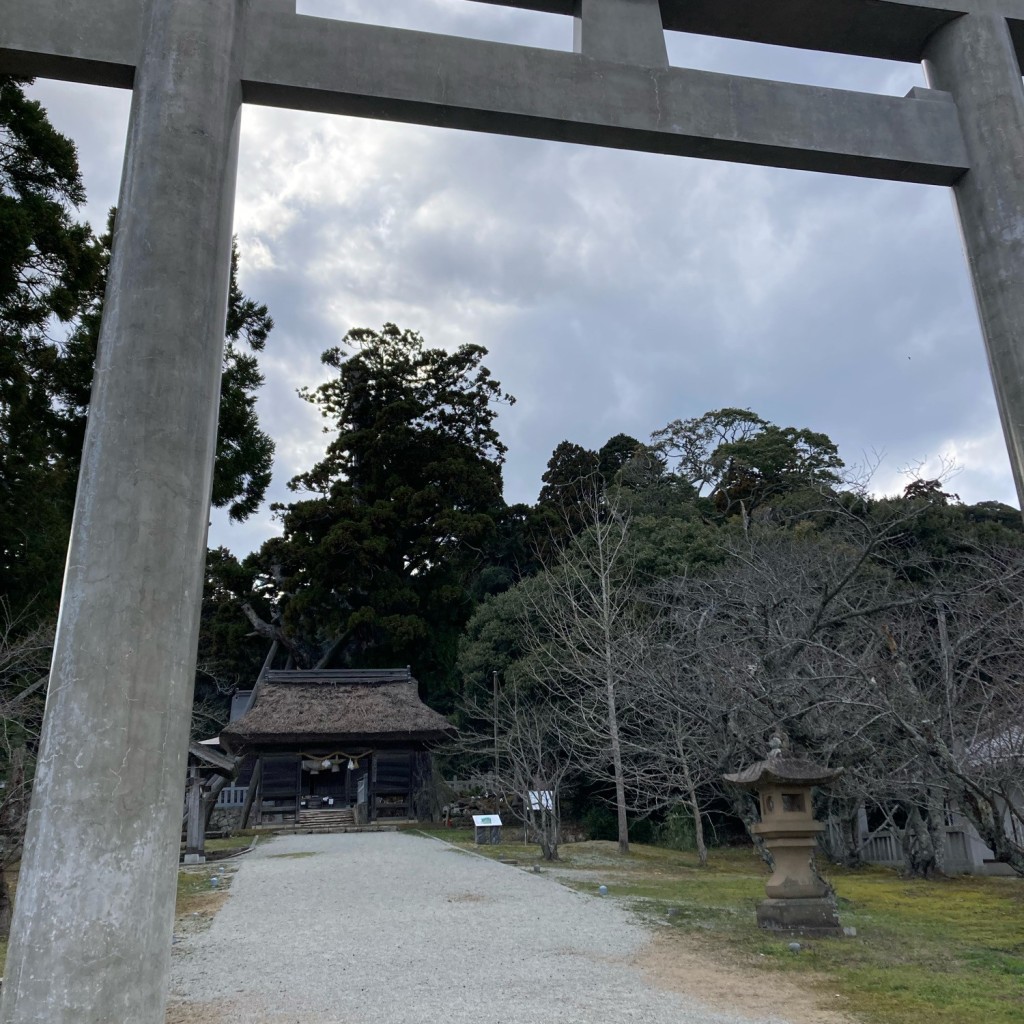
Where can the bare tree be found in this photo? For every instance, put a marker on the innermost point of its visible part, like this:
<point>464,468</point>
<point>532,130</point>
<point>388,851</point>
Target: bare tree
<point>24,672</point>
<point>952,684</point>
<point>668,736</point>
<point>584,634</point>
<point>868,653</point>
<point>530,747</point>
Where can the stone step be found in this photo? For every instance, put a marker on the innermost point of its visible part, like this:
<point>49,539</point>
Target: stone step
<point>327,816</point>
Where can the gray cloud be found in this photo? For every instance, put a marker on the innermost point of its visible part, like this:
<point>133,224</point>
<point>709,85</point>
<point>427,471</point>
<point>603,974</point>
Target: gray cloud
<point>616,291</point>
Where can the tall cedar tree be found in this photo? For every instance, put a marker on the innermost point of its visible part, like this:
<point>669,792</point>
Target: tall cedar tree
<point>379,564</point>
<point>49,265</point>
<point>52,280</point>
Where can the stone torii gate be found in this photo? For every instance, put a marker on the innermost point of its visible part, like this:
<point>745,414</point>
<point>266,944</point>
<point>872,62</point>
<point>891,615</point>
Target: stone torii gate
<point>90,941</point>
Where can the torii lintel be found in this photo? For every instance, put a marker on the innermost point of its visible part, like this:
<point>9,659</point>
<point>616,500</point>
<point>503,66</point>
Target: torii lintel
<point>298,62</point>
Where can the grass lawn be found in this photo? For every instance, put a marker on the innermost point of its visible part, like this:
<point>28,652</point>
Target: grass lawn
<point>949,951</point>
<point>241,841</point>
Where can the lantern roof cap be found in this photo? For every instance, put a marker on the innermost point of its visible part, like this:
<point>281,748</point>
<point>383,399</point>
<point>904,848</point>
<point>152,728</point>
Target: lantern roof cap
<point>780,768</point>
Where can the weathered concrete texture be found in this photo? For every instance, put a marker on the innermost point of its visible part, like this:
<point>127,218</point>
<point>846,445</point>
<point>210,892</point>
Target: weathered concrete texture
<point>97,42</point>
<point>629,31</point>
<point>974,60</point>
<point>90,941</point>
<point>365,70</point>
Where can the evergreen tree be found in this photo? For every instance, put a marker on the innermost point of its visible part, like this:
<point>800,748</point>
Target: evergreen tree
<point>49,265</point>
<point>52,281</point>
<point>378,565</point>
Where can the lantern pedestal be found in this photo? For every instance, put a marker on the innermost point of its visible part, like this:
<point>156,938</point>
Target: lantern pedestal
<point>813,916</point>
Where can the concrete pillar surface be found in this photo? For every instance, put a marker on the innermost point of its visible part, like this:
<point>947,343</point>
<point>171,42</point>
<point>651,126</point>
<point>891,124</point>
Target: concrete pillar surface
<point>626,31</point>
<point>973,58</point>
<point>90,941</point>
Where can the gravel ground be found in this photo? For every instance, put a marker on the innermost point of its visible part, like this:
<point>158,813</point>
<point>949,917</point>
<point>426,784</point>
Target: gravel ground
<point>401,929</point>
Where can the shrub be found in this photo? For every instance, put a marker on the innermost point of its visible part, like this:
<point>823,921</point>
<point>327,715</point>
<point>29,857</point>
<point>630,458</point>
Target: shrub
<point>677,831</point>
<point>602,823</point>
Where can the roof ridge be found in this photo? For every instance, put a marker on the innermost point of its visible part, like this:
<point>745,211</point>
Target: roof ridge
<point>340,675</point>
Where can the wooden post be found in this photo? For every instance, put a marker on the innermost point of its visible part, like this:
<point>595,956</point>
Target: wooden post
<point>250,793</point>
<point>195,833</point>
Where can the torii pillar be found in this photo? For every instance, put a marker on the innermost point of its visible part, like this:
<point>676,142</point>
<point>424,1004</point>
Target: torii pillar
<point>95,904</point>
<point>973,60</point>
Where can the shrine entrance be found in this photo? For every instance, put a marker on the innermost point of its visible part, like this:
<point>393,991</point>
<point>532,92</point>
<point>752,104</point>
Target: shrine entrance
<point>98,870</point>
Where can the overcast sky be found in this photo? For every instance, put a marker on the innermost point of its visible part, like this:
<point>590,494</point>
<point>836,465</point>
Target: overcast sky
<point>615,291</point>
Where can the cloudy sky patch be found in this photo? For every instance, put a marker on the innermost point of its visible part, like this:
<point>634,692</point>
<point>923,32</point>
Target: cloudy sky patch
<point>615,291</point>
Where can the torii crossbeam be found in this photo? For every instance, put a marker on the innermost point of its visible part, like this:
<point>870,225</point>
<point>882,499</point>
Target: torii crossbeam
<point>90,941</point>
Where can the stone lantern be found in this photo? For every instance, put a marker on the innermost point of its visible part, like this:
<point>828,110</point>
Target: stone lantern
<point>798,900</point>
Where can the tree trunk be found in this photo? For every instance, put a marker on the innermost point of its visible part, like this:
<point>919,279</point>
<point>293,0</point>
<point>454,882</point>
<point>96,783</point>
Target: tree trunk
<point>195,832</point>
<point>918,848</point>
<point>620,781</point>
<point>210,800</point>
<point>698,828</point>
<point>6,907</point>
<point>937,830</point>
<point>250,793</point>
<point>698,820</point>
<point>745,808</point>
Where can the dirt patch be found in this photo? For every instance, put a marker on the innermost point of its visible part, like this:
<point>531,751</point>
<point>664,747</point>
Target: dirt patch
<point>237,1011</point>
<point>681,963</point>
<point>468,897</point>
<point>218,1012</point>
<point>198,912</point>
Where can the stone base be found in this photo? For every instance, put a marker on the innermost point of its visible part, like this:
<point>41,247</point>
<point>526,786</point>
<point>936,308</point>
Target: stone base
<point>813,917</point>
<point>194,858</point>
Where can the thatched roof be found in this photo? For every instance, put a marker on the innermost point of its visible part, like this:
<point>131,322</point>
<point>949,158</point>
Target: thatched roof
<point>336,707</point>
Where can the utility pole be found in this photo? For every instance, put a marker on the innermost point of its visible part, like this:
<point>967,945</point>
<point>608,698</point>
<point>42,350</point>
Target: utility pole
<point>494,715</point>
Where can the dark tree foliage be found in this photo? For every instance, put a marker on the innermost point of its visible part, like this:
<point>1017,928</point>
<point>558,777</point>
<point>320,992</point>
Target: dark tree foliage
<point>48,261</point>
<point>569,482</point>
<point>569,477</point>
<point>230,655</point>
<point>513,552</point>
<point>614,455</point>
<point>49,265</point>
<point>379,564</point>
<point>52,281</point>
<point>245,453</point>
<point>742,462</point>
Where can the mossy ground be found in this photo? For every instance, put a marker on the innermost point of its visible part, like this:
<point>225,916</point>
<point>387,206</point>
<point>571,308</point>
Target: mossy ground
<point>240,841</point>
<point>948,951</point>
<point>197,895</point>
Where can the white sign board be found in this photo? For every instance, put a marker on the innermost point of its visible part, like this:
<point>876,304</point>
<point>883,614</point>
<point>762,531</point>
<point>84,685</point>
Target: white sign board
<point>486,819</point>
<point>542,800</point>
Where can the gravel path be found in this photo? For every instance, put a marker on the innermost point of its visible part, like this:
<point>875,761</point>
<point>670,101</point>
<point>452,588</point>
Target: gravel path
<point>400,929</point>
